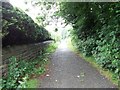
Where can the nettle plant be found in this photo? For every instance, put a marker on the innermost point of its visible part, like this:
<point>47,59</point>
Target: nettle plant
<point>15,74</point>
<point>20,70</point>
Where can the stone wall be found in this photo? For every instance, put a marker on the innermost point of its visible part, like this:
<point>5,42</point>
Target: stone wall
<point>21,52</point>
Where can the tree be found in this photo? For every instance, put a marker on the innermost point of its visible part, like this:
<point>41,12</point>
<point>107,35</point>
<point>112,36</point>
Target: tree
<point>95,31</point>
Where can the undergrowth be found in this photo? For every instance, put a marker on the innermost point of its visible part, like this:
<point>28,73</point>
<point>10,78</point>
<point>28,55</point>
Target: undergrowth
<point>107,73</point>
<point>20,73</point>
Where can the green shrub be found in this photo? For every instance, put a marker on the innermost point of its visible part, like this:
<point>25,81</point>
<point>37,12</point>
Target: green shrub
<point>96,31</point>
<point>19,28</point>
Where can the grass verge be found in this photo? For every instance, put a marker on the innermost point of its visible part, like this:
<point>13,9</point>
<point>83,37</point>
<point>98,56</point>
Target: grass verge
<point>108,74</point>
<point>41,69</point>
<point>32,83</point>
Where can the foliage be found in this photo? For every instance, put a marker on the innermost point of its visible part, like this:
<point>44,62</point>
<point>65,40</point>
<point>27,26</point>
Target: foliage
<point>32,83</point>
<point>19,28</point>
<point>96,31</point>
<point>52,47</point>
<point>20,71</point>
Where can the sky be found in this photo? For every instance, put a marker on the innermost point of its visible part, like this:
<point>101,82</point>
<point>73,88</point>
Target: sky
<point>33,13</point>
<point>20,3</point>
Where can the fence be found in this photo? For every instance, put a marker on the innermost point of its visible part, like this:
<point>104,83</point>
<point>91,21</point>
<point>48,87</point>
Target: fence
<point>22,52</point>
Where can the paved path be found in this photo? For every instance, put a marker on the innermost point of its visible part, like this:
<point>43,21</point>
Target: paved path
<point>67,70</point>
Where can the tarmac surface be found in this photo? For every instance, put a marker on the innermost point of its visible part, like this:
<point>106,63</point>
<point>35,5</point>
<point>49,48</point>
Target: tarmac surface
<point>68,70</point>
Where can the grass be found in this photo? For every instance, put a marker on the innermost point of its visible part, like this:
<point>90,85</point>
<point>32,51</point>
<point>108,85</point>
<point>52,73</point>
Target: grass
<point>27,71</point>
<point>32,83</point>
<point>52,47</point>
<point>108,74</point>
<point>104,72</point>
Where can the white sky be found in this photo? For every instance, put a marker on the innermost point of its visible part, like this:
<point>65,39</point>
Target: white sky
<point>33,12</point>
<point>20,3</point>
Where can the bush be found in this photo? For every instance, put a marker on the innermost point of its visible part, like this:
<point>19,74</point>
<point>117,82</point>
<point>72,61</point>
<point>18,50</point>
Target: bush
<point>95,31</point>
<point>19,28</point>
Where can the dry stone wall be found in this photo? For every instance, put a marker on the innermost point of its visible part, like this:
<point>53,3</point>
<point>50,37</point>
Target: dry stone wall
<point>22,52</point>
